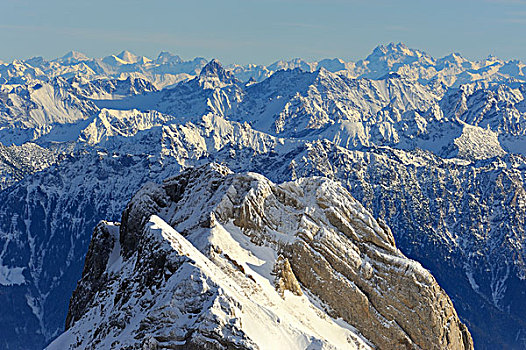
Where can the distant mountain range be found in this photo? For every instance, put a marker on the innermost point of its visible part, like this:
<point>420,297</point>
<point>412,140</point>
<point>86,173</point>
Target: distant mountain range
<point>168,69</point>
<point>435,148</point>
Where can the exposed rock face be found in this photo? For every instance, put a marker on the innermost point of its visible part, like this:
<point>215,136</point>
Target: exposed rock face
<point>197,260</point>
<point>98,255</point>
<point>285,279</point>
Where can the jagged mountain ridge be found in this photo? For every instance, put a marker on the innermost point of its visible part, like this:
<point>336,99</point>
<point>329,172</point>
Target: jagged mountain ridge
<point>393,112</point>
<point>153,134</point>
<point>237,229</point>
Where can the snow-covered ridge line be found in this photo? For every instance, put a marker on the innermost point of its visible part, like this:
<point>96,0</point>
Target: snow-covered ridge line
<point>298,265</point>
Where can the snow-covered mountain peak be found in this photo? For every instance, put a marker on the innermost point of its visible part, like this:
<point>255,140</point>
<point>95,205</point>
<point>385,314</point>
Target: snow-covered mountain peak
<point>166,57</point>
<point>394,53</point>
<point>73,57</point>
<point>333,65</point>
<point>396,58</point>
<point>323,73</point>
<point>455,58</point>
<point>213,75</point>
<point>213,68</point>
<point>292,64</point>
<point>128,57</point>
<point>125,58</point>
<point>211,259</point>
<point>36,61</point>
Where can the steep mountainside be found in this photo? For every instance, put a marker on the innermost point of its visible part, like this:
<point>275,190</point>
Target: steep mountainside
<point>210,259</point>
<point>463,221</point>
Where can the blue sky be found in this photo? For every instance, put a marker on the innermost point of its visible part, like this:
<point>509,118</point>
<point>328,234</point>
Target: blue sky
<point>263,31</point>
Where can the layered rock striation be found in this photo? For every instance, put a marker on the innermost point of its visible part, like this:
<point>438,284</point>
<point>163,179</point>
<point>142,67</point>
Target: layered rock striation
<point>217,260</point>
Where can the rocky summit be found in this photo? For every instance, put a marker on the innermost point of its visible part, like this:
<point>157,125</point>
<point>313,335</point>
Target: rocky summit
<point>210,259</point>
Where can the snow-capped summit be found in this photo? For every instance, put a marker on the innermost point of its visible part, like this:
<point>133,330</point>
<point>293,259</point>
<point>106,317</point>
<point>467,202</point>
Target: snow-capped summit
<point>455,58</point>
<point>166,57</point>
<point>215,260</point>
<point>292,64</point>
<point>391,58</point>
<point>214,68</point>
<point>37,61</point>
<point>73,57</point>
<point>213,75</point>
<point>333,65</point>
<point>125,58</point>
<point>128,57</point>
<point>396,54</point>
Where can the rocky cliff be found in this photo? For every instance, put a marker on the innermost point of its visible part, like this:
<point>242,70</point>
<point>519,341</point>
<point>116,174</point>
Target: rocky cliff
<point>217,260</point>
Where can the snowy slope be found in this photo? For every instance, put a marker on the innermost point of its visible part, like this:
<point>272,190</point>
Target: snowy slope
<point>201,303</point>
